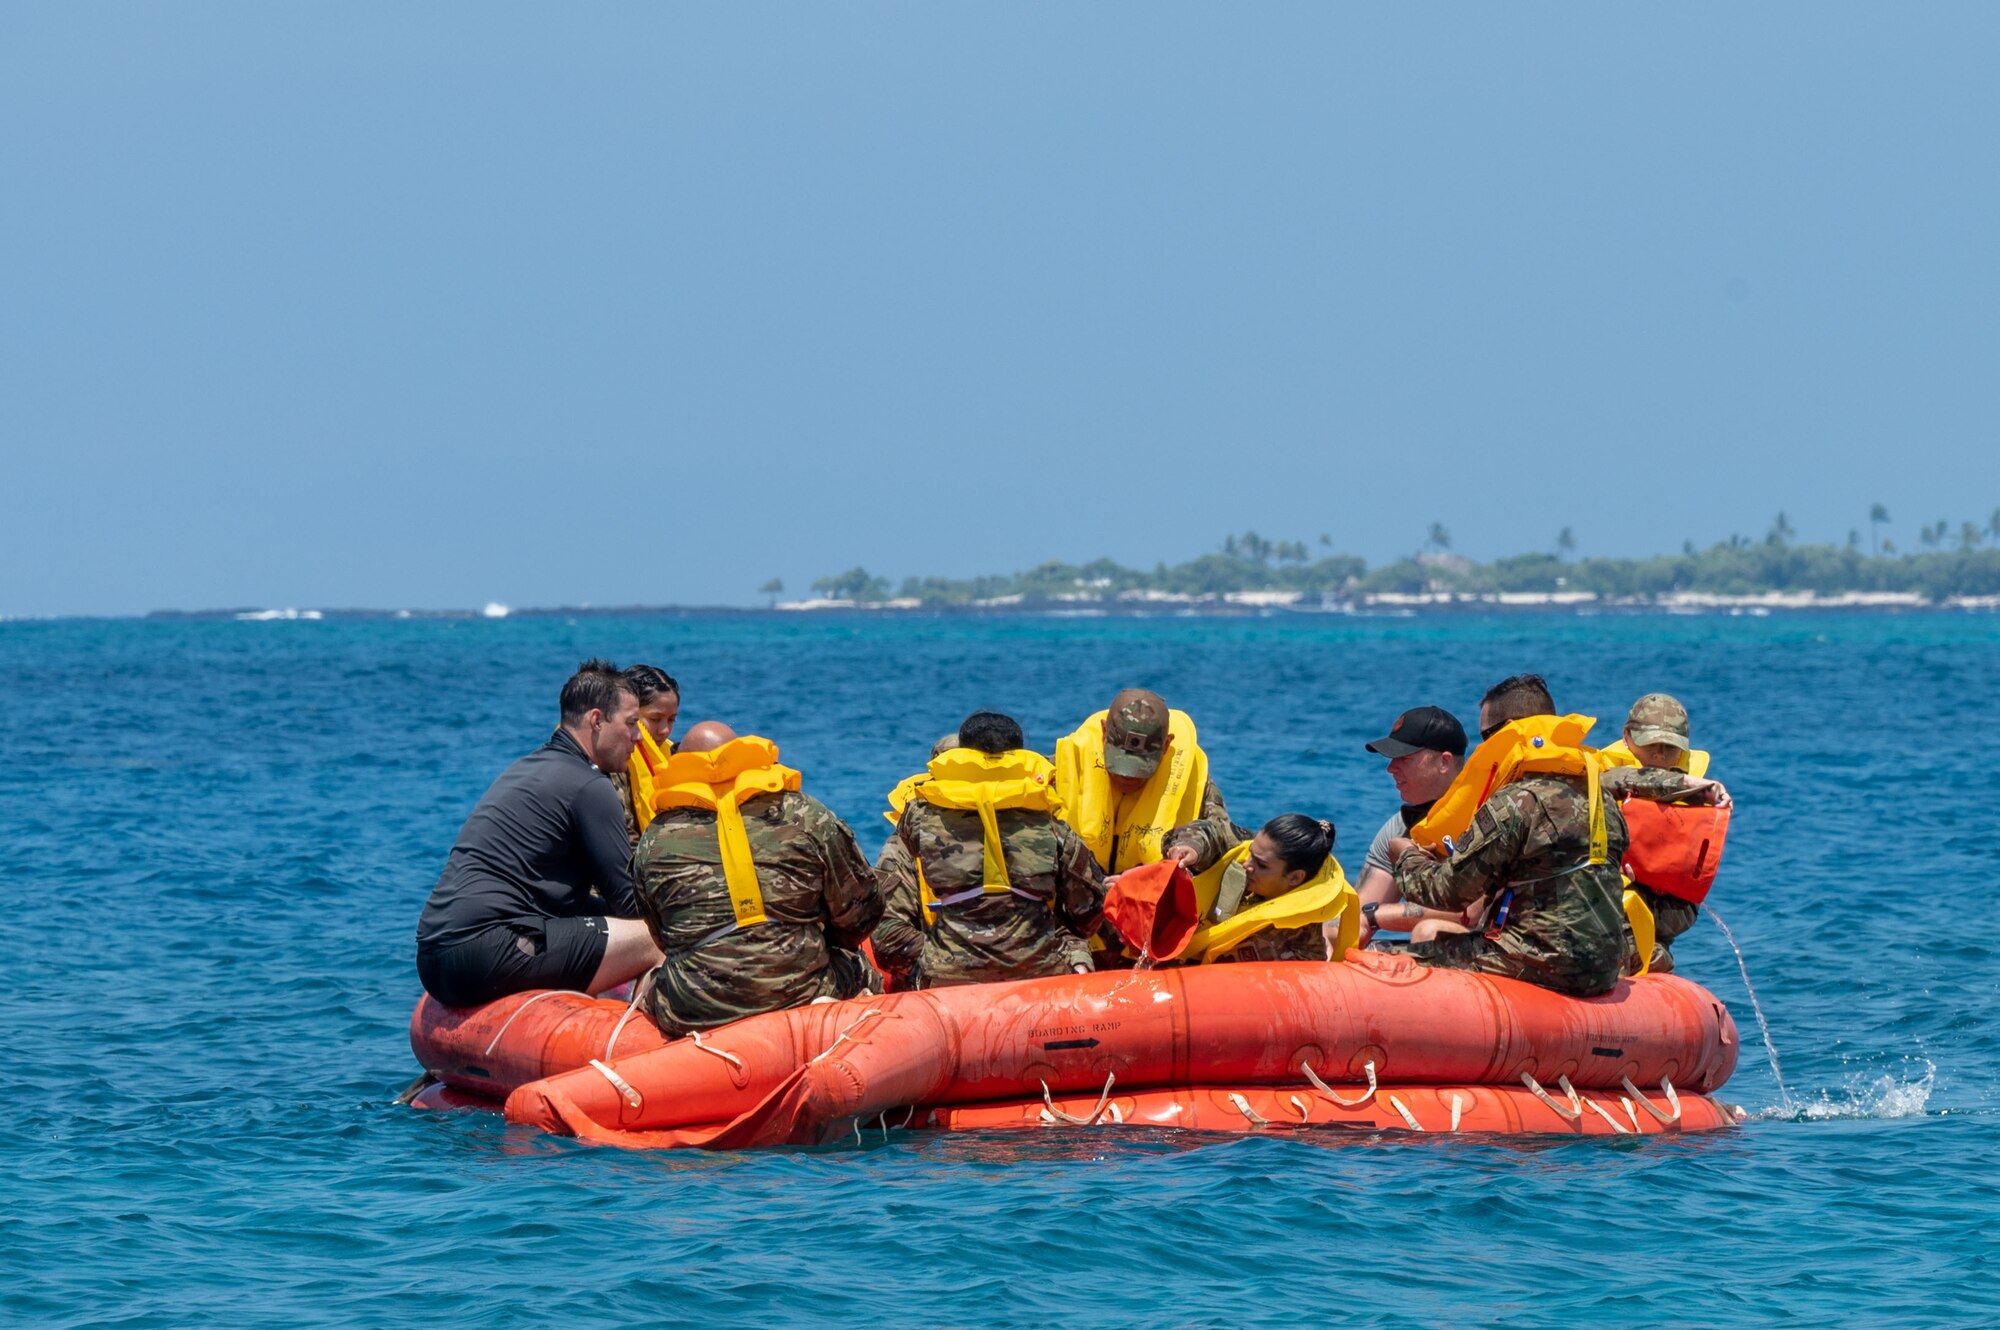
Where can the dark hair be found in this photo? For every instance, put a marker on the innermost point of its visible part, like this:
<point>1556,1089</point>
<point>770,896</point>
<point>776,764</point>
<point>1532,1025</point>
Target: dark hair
<point>594,687</point>
<point>649,681</point>
<point>990,732</point>
<point>1303,842</point>
<point>1517,697</point>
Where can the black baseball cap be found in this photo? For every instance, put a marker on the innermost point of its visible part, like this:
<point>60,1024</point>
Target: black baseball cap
<point>1420,729</point>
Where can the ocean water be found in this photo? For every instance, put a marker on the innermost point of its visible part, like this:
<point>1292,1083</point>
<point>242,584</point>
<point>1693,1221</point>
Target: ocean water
<point>215,838</point>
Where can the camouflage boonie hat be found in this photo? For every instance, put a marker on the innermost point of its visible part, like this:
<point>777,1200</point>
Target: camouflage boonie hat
<point>1135,734</point>
<point>1658,719</point>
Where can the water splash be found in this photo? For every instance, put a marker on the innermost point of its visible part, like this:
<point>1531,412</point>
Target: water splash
<point>1883,1096</point>
<point>1763,1026</point>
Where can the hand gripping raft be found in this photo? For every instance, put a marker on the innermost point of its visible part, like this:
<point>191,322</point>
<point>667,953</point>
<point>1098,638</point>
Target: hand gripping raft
<point>1233,1047</point>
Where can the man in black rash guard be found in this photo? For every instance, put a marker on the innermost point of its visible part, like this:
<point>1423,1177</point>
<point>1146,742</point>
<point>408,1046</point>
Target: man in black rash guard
<point>1425,748</point>
<point>514,908</point>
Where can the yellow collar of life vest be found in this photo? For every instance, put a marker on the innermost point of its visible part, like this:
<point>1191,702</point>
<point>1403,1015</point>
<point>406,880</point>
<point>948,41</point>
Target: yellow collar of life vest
<point>899,798</point>
<point>643,771</point>
<point>1693,761</point>
<point>1535,745</point>
<point>972,781</point>
<point>1136,823</point>
<point>1325,897</point>
<point>722,780</point>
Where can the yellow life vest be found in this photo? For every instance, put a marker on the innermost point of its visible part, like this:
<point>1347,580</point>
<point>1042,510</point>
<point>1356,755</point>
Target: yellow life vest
<point>1693,761</point>
<point>1324,897</point>
<point>722,780</point>
<point>971,781</point>
<point>1138,822</point>
<point>1644,931</point>
<point>1531,746</point>
<point>644,769</point>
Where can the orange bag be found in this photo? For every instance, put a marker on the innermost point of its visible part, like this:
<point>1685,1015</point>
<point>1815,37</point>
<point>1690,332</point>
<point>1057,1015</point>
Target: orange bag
<point>1674,848</point>
<point>1153,909</point>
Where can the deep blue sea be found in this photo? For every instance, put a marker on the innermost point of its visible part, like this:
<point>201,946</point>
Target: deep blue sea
<point>215,838</point>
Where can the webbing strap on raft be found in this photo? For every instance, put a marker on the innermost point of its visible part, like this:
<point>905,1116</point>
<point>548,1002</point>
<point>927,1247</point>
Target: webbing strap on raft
<point>1667,1088</point>
<point>1368,1068</point>
<point>1409,1118</point>
<point>1251,1115</point>
<point>1570,1114</point>
<point>1074,1121</point>
<point>620,1084</point>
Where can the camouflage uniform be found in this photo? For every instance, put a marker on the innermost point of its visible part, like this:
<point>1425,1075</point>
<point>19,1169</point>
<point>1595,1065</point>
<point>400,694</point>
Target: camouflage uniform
<point>1210,839</point>
<point>1659,718</point>
<point>819,900</point>
<point>1039,928</point>
<point>621,781</point>
<point>1565,926</point>
<point>900,936</point>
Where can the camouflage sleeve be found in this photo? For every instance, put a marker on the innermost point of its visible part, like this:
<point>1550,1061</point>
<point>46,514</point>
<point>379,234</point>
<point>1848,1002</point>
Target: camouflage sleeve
<point>1209,838</point>
<point>1499,831</point>
<point>622,782</point>
<point>1079,898</point>
<point>1647,783</point>
<point>1212,807</point>
<point>848,898</point>
<point>899,937</point>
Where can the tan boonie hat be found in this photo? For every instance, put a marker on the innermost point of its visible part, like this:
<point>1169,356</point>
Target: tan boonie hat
<point>1135,734</point>
<point>1658,719</point>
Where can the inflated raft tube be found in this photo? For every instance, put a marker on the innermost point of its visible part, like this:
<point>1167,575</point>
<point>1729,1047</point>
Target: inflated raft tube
<point>1410,1108</point>
<point>808,1075</point>
<point>493,1050</point>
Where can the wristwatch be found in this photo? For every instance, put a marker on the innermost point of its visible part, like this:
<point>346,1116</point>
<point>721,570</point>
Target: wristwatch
<point>1368,912</point>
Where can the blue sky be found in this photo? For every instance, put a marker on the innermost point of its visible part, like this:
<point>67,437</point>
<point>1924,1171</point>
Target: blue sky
<point>333,305</point>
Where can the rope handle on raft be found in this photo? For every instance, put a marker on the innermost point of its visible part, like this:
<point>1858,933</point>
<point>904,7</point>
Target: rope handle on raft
<point>621,1085</point>
<point>1570,1114</point>
<point>513,1015</point>
<point>638,991</point>
<point>1328,1091</point>
<point>1457,1108</point>
<point>1095,1113</point>
<point>724,1054</point>
<point>1666,1088</point>
<point>843,1036</point>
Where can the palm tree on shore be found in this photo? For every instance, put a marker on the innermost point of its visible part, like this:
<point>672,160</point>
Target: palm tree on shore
<point>1877,515</point>
<point>774,589</point>
<point>1439,538</point>
<point>1781,531</point>
<point>1968,536</point>
<point>1565,542</point>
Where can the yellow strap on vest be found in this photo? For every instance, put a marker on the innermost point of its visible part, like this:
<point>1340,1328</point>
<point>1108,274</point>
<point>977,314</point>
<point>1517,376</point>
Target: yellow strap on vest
<point>643,770</point>
<point>1693,761</point>
<point>1644,932</point>
<point>1136,823</point>
<point>969,780</point>
<point>722,780</point>
<point>1535,745</point>
<point>1325,897</point>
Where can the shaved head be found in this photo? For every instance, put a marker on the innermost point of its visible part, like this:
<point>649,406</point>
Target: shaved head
<point>706,737</point>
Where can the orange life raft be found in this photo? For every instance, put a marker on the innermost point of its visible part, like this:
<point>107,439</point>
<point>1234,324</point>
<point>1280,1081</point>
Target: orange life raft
<point>1376,1043</point>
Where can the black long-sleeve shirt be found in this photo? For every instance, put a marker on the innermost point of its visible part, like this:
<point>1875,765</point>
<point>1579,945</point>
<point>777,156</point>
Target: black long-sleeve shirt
<point>550,828</point>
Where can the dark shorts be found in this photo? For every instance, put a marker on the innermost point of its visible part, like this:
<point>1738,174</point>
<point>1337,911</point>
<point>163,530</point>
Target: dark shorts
<point>513,957</point>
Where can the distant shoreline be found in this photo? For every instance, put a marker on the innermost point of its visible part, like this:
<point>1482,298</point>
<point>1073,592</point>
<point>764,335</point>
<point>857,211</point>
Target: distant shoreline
<point>1249,605</point>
